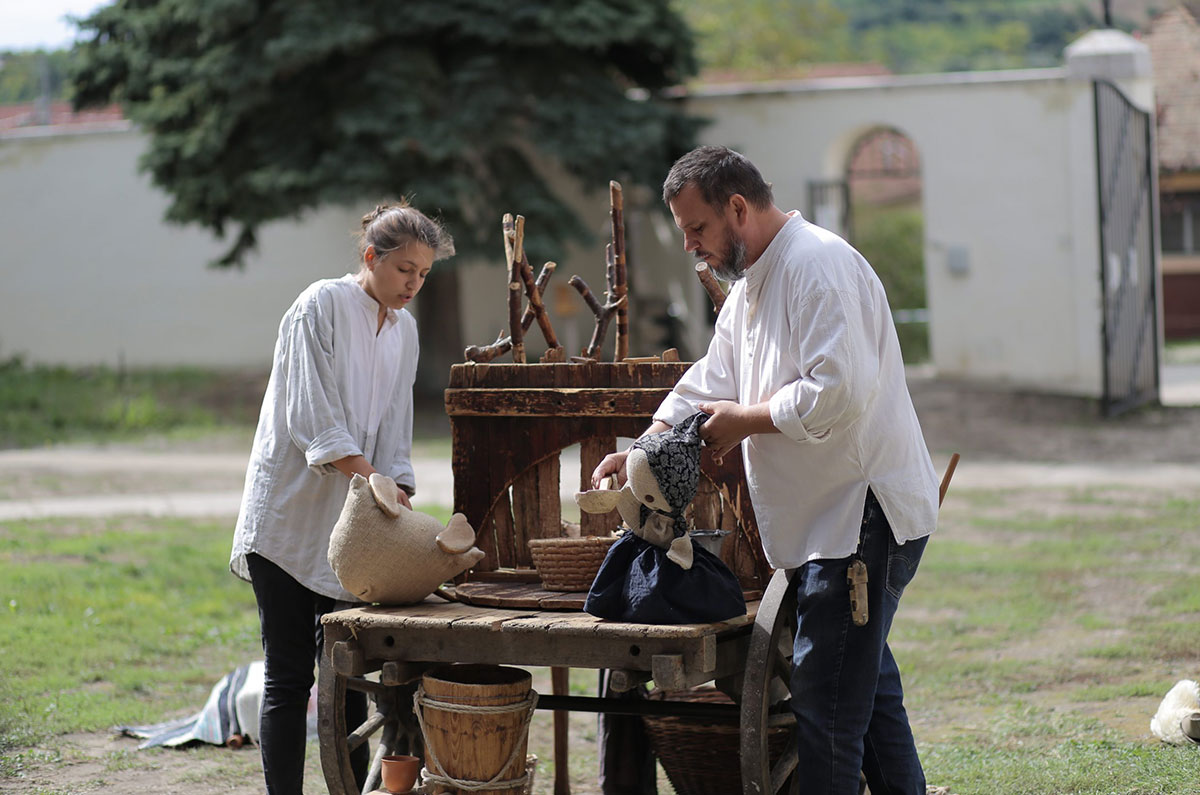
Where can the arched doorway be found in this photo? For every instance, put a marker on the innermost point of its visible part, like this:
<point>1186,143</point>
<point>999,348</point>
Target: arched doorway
<point>884,220</point>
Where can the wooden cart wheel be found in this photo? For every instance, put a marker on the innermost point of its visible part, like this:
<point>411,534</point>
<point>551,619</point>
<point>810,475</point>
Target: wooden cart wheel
<point>389,715</point>
<point>764,685</point>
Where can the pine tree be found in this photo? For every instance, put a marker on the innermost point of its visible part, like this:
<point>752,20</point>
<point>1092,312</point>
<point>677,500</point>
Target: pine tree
<point>260,109</point>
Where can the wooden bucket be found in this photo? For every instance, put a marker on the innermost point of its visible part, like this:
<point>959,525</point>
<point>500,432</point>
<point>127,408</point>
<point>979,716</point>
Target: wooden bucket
<point>475,724</point>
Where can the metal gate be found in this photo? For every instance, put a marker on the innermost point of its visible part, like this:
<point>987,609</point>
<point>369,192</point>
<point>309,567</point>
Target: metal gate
<point>1128,250</point>
<point>829,206</point>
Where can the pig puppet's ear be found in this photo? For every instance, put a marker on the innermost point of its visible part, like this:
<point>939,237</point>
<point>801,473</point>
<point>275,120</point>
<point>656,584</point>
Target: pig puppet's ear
<point>386,494</point>
<point>458,537</point>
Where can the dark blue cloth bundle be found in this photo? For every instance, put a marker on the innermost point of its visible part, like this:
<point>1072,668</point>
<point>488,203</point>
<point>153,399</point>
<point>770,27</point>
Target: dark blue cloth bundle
<point>671,581</point>
<point>637,583</point>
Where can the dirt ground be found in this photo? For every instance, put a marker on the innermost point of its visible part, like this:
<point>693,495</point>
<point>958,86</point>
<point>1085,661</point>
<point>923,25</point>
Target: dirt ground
<point>986,423</point>
<point>983,424</point>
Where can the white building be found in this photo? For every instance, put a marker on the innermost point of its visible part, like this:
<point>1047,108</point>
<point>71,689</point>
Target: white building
<point>1011,197</point>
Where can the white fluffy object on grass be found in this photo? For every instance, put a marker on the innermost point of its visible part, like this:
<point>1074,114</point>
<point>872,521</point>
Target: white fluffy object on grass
<point>1180,702</point>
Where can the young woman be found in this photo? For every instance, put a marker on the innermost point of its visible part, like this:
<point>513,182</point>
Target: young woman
<point>339,402</point>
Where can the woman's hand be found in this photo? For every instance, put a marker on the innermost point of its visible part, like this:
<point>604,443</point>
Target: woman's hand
<point>402,496</point>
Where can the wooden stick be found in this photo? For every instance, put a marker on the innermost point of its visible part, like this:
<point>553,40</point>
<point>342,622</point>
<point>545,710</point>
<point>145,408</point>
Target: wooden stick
<point>503,344</point>
<point>946,478</point>
<point>543,279</point>
<point>475,353</point>
<point>586,293</point>
<point>603,315</point>
<point>620,288</point>
<point>514,236</point>
<point>535,302</point>
<point>711,286</point>
<point>514,323</point>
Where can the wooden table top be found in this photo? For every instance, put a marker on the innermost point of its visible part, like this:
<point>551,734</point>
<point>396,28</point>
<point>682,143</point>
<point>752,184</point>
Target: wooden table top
<point>438,614</point>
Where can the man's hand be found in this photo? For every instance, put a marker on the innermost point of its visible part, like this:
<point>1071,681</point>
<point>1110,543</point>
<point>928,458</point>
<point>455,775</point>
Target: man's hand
<point>729,423</point>
<point>612,464</point>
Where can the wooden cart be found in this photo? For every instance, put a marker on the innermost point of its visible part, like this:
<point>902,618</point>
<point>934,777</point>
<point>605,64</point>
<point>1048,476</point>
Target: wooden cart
<point>509,423</point>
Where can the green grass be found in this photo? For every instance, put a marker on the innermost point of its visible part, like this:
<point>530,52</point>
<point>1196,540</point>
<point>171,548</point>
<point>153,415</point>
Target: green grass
<point>45,405</point>
<point>42,405</point>
<point>114,621</point>
<point>1037,644</point>
<point>1181,352</point>
<point>1036,641</point>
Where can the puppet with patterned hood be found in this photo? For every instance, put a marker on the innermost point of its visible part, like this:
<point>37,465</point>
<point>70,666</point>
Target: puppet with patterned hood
<point>654,574</point>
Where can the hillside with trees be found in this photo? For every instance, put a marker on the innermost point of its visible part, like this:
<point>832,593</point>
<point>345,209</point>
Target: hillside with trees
<point>30,75</point>
<point>780,38</point>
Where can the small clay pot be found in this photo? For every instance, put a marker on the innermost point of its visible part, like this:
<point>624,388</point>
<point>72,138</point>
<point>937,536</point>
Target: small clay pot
<point>400,773</point>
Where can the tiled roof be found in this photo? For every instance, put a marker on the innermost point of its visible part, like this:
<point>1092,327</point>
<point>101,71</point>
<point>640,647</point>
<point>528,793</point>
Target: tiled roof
<point>811,71</point>
<point>1174,42</point>
<point>55,115</point>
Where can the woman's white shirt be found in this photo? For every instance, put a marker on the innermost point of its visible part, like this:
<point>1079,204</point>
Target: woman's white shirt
<point>337,389</point>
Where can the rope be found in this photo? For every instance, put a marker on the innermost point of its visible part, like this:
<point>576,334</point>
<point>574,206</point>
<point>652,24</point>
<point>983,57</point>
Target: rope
<point>420,700</point>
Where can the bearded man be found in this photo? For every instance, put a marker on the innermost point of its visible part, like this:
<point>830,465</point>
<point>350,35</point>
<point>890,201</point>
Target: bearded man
<point>804,372</point>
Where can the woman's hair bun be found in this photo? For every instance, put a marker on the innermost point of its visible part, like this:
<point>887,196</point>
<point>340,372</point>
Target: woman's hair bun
<point>382,209</point>
<point>397,223</point>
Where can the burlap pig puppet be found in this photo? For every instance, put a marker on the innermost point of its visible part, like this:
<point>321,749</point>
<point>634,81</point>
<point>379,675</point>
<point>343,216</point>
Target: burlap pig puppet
<point>384,552</point>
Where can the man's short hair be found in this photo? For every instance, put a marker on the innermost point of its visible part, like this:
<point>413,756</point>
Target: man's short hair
<point>719,172</point>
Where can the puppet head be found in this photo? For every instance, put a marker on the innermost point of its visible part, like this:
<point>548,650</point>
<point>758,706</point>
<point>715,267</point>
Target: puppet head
<point>664,471</point>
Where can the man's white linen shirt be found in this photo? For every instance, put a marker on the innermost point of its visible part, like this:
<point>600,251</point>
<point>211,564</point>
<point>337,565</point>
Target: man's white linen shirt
<point>336,389</point>
<point>809,330</point>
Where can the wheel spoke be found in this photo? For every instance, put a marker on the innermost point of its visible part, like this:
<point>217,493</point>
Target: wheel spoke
<point>360,735</point>
<point>784,767</point>
<point>361,685</point>
<point>781,665</point>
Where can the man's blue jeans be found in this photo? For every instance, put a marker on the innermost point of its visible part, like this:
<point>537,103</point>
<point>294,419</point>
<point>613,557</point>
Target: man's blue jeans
<point>846,691</point>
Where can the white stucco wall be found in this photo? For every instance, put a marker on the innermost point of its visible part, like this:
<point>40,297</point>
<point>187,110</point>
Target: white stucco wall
<point>1009,185</point>
<point>92,275</point>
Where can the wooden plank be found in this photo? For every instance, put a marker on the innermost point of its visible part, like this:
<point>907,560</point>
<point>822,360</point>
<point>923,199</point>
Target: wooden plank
<point>519,595</point>
<point>390,618</point>
<point>555,402</point>
<point>591,452</point>
<point>706,506</point>
<point>537,507</point>
<point>507,575</point>
<point>563,600</point>
<point>502,375</point>
<point>502,522</point>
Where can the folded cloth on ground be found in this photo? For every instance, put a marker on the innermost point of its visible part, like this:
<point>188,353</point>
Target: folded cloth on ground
<point>230,714</point>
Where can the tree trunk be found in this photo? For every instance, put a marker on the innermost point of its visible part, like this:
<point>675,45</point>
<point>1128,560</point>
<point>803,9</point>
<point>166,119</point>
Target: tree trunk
<point>440,328</point>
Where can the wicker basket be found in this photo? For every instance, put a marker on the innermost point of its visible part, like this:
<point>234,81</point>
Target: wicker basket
<point>569,564</point>
<point>701,756</point>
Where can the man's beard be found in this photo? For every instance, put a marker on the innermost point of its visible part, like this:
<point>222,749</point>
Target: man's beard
<point>733,264</point>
